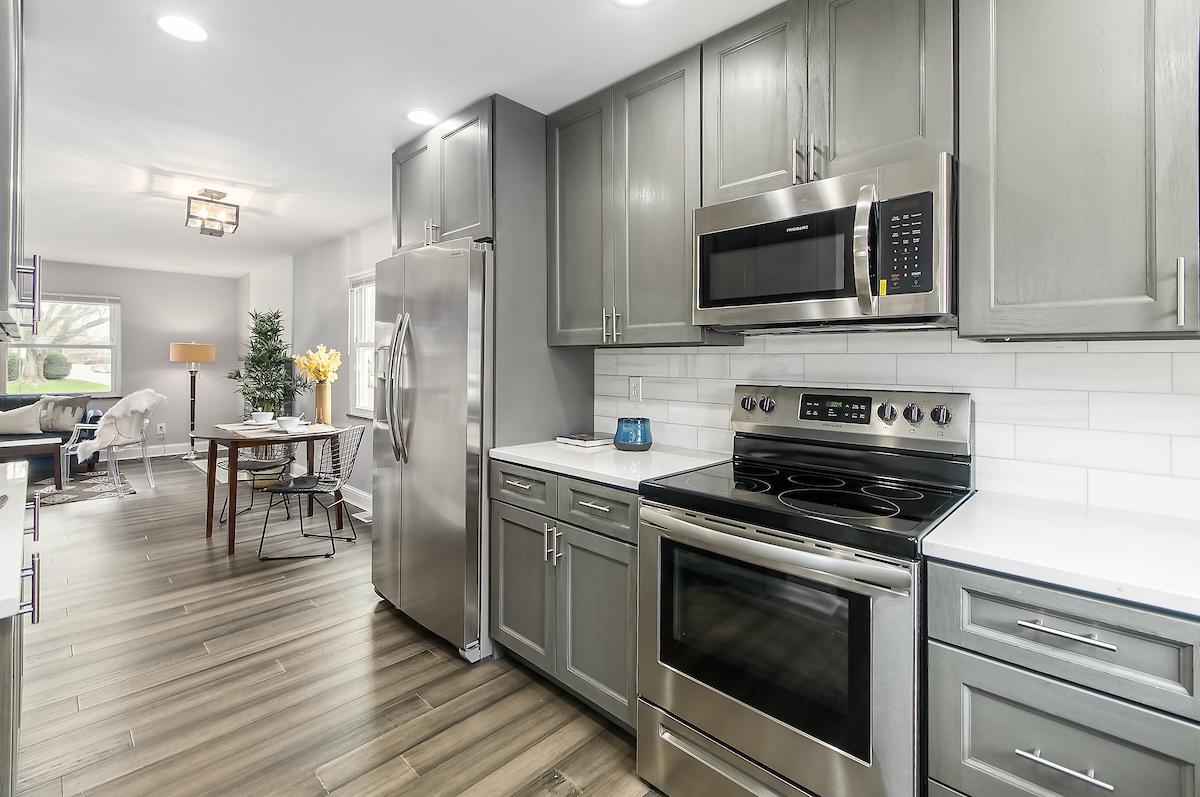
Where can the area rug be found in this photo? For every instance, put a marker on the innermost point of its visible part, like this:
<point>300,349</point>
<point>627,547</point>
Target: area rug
<point>82,487</point>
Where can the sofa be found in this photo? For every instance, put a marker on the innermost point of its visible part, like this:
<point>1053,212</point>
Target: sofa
<point>11,401</point>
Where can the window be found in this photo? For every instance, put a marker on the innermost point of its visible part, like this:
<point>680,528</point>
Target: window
<point>76,350</point>
<point>362,344</point>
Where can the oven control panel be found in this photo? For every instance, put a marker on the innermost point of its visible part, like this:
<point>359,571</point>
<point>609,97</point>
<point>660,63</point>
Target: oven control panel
<point>916,420</point>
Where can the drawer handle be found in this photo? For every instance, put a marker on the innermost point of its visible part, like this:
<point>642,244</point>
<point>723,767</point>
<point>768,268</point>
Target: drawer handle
<point>33,607</point>
<point>36,506</point>
<point>547,530</point>
<point>518,485</point>
<point>1087,640</point>
<point>1086,777</point>
<point>597,507</point>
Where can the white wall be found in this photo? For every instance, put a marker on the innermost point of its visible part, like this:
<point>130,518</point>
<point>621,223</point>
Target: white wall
<point>322,315</point>
<point>1110,424</point>
<point>158,308</point>
<point>266,288</point>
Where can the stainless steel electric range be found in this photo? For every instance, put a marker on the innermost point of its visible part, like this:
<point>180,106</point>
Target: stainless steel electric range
<point>780,594</point>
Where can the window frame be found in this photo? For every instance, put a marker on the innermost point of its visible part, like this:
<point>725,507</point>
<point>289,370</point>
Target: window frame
<point>114,344</point>
<point>355,284</point>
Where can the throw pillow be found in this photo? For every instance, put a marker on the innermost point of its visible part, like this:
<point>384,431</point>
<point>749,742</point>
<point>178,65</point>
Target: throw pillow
<point>23,420</point>
<point>61,413</point>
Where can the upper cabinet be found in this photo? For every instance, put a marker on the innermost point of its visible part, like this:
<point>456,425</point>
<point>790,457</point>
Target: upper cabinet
<point>1078,189</point>
<point>623,179</point>
<point>880,82</point>
<point>754,105</point>
<point>442,182</point>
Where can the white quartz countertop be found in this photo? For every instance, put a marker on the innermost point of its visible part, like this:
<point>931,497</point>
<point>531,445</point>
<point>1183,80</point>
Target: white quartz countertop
<point>12,536</point>
<point>1146,559</point>
<point>624,469</point>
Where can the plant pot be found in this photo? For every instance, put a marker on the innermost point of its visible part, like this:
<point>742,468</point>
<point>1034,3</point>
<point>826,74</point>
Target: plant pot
<point>324,403</point>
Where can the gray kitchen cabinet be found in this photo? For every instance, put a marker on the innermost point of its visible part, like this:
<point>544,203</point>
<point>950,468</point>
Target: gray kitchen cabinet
<point>755,124</point>
<point>579,212</point>
<point>523,585</point>
<point>880,82</point>
<point>1078,168</point>
<point>442,181</point>
<point>597,590</point>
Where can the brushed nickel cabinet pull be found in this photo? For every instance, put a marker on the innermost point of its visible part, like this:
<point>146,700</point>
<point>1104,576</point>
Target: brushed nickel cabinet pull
<point>813,151</point>
<point>32,607</point>
<point>795,157</point>
<point>1037,625</point>
<point>36,506</point>
<point>1180,292</point>
<point>518,485</point>
<point>604,328</point>
<point>557,553</point>
<point>597,507</point>
<point>1086,777</point>
<point>546,551</point>
<point>616,331</point>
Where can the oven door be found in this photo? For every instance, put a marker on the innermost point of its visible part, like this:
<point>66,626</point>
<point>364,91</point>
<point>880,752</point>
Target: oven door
<point>800,656</point>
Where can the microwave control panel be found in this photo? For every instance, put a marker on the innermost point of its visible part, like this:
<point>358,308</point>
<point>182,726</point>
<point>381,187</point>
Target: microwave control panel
<point>906,244</point>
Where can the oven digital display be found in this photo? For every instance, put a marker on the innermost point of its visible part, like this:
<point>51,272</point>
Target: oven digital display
<point>840,409</point>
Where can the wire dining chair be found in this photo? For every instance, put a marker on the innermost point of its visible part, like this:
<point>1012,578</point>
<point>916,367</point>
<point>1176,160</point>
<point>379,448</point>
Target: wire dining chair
<point>262,466</point>
<point>332,469</point>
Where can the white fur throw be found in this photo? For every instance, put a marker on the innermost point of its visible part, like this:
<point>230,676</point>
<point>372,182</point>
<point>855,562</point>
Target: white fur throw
<point>123,423</point>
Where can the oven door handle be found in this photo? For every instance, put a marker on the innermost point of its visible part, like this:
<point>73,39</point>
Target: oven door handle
<point>862,250</point>
<point>883,575</point>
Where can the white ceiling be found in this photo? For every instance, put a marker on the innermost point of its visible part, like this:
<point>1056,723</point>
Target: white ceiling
<point>298,101</point>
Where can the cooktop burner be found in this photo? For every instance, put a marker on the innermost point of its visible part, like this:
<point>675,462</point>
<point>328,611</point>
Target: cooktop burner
<point>854,509</point>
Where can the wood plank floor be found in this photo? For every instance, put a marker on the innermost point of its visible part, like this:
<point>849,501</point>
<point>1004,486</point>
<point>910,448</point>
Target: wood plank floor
<point>163,667</point>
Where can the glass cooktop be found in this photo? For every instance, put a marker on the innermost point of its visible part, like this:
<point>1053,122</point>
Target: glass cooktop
<point>873,514</point>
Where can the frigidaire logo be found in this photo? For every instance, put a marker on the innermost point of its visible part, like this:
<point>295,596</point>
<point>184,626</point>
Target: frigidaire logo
<point>797,229</point>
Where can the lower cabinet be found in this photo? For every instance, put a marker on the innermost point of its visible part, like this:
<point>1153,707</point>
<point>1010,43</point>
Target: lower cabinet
<point>564,600</point>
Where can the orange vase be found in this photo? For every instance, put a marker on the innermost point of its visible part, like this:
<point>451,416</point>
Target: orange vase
<point>324,403</point>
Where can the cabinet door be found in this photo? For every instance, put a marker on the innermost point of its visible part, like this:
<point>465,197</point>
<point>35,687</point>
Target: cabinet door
<point>579,149</point>
<point>1078,167</point>
<point>880,81</point>
<point>414,190</point>
<point>656,164</point>
<point>466,174</point>
<point>754,119</point>
<point>597,608</point>
<point>523,584</point>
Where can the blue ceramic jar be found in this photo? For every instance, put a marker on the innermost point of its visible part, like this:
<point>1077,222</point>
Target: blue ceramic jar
<point>633,434</point>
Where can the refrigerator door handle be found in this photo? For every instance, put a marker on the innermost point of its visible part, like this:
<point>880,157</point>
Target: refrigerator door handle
<point>389,388</point>
<point>399,441</point>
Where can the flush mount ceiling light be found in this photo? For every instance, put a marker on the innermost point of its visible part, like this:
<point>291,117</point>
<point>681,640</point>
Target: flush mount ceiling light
<point>210,216</point>
<point>632,3</point>
<point>182,28</point>
<point>420,116</point>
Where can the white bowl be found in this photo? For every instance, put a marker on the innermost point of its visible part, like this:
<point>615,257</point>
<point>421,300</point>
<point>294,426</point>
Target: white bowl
<point>261,417</point>
<point>288,422</point>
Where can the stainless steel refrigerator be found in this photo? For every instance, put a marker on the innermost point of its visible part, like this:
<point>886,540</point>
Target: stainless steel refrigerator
<point>443,358</point>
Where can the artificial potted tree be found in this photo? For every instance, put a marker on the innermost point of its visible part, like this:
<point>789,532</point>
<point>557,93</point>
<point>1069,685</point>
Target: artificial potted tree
<point>266,378</point>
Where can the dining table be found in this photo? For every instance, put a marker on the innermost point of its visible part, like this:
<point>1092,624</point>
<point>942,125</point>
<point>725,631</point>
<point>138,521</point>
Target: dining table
<point>237,436</point>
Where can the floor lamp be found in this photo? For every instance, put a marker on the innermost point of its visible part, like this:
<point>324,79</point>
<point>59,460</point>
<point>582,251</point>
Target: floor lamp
<point>193,354</point>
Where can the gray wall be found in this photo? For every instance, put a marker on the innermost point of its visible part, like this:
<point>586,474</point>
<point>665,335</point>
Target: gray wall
<point>321,307</point>
<point>158,308</point>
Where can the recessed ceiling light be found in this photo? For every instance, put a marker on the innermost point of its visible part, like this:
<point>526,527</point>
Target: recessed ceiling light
<point>420,116</point>
<point>182,28</point>
<point>632,3</point>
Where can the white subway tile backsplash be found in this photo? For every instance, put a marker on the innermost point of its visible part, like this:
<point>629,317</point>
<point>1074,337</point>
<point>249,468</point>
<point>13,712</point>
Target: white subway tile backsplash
<point>654,410</point>
<point>1067,409</point>
<point>1185,373</point>
<point>715,391</point>
<point>605,363</point>
<point>656,387</point>
<point>605,405</point>
<point>929,341</point>
<point>1185,457</point>
<point>960,345</point>
<point>699,366</point>
<point>1090,448</point>
<point>1146,412</point>
<point>643,365</point>
<point>719,440</point>
<point>714,416</point>
<point>1191,344</point>
<point>767,367</point>
<point>602,423</point>
<point>963,370</point>
<point>606,385</point>
<point>671,434</point>
<point>1136,492</point>
<point>871,369</point>
<point>1143,373</point>
<point>1032,479</point>
<point>996,440</point>
<point>825,343</point>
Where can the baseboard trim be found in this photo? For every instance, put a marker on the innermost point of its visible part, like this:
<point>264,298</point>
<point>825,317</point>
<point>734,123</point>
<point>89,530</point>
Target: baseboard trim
<point>357,497</point>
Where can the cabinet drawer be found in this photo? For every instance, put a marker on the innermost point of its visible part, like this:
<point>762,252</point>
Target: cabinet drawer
<point>604,509</point>
<point>1142,655</point>
<point>528,487</point>
<point>997,731</point>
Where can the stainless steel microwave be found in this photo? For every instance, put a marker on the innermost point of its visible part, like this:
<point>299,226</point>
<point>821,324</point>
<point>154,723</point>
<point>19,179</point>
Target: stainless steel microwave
<point>873,248</point>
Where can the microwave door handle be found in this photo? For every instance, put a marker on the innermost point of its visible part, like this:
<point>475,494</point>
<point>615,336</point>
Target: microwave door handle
<point>862,250</point>
<point>881,574</point>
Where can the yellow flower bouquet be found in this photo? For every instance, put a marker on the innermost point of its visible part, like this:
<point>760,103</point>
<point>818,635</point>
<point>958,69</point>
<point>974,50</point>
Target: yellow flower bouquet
<point>320,366</point>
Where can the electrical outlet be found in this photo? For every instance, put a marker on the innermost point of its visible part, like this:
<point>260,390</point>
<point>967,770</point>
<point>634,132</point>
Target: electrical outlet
<point>635,388</point>
<point>162,430</point>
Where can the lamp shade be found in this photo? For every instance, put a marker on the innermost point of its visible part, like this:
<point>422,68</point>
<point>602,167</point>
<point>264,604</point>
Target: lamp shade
<point>193,353</point>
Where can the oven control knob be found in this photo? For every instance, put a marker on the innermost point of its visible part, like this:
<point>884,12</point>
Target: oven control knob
<point>887,412</point>
<point>766,403</point>
<point>748,403</point>
<point>913,414</point>
<point>941,415</point>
